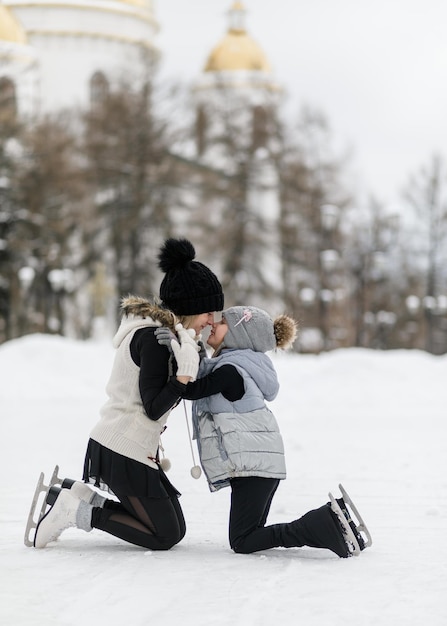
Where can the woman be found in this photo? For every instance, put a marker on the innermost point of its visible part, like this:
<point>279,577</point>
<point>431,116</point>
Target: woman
<point>239,442</point>
<point>144,386</point>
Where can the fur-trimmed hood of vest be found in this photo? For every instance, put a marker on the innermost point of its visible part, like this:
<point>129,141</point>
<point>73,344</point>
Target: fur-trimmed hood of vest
<point>138,313</point>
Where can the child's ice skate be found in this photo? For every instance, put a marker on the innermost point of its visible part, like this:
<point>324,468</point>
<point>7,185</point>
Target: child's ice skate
<point>355,530</point>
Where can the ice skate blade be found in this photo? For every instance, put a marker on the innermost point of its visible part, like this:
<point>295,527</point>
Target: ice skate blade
<point>41,488</point>
<point>360,524</point>
<point>350,538</point>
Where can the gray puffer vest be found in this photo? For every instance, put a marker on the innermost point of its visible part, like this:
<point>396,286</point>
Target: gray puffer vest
<point>239,438</point>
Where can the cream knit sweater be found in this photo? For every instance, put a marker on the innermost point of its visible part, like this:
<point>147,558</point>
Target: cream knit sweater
<point>124,426</point>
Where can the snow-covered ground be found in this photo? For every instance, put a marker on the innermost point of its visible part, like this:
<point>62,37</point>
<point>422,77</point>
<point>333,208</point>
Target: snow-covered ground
<point>375,421</point>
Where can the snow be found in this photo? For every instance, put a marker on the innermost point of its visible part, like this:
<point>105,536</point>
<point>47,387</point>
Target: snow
<point>375,421</point>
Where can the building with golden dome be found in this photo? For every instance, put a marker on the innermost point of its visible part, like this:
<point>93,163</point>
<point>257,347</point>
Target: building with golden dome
<point>236,75</point>
<point>62,53</point>
<point>17,63</point>
<point>236,98</point>
<point>237,51</point>
<point>10,29</point>
<point>57,54</point>
<point>238,61</point>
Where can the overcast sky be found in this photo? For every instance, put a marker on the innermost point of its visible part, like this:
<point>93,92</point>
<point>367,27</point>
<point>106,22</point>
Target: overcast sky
<point>376,68</point>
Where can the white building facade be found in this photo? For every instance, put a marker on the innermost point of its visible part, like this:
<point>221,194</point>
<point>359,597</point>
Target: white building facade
<point>57,54</point>
<point>60,53</point>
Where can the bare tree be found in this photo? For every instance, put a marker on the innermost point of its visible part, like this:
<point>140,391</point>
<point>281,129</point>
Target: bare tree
<point>134,181</point>
<point>237,212</point>
<point>312,202</point>
<point>427,196</point>
<point>45,188</point>
<point>374,262</point>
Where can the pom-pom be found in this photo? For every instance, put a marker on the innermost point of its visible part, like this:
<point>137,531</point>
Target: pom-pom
<point>196,472</point>
<point>175,254</point>
<point>165,464</point>
<point>286,330</point>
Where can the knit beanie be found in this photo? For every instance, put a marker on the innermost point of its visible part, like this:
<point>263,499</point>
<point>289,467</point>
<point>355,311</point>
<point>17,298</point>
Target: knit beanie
<point>189,287</point>
<point>249,327</point>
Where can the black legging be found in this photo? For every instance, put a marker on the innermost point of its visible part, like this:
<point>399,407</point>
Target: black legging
<point>153,523</point>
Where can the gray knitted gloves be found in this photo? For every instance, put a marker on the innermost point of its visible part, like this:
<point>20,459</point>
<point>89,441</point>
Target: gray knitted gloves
<point>165,336</point>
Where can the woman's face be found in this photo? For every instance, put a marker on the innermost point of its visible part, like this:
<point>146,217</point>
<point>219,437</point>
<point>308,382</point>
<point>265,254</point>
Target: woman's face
<point>217,334</point>
<point>199,322</point>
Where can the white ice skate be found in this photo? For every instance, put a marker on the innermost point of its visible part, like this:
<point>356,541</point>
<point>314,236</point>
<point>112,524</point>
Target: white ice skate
<point>39,502</point>
<point>61,516</point>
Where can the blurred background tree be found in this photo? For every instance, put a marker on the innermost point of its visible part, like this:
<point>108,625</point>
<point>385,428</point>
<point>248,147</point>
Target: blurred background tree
<point>89,192</point>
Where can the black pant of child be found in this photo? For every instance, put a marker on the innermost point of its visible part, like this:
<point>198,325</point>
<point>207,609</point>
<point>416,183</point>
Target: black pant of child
<point>153,523</point>
<point>251,499</point>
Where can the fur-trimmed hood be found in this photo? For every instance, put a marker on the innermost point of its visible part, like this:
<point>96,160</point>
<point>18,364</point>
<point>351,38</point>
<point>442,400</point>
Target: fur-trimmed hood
<point>138,313</point>
<point>140,307</point>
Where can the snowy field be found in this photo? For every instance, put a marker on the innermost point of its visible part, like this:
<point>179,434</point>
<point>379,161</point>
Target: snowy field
<point>375,421</point>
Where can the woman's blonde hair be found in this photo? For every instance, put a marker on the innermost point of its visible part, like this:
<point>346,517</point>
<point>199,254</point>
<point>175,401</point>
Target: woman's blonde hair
<point>187,320</point>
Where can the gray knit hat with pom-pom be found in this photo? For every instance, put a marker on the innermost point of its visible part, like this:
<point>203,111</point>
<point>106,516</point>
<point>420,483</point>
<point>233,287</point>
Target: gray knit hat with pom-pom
<point>253,328</point>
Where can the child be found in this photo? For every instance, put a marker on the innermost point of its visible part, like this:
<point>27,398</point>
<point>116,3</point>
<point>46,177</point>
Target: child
<point>239,440</point>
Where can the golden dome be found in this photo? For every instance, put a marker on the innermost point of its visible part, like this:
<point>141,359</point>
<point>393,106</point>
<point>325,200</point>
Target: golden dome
<point>142,4</point>
<point>10,29</point>
<point>237,50</point>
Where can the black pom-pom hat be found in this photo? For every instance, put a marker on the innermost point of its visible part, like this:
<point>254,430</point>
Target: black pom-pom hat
<point>189,287</point>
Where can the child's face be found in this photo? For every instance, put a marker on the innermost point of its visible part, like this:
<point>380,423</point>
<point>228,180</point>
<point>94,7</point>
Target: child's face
<point>217,334</point>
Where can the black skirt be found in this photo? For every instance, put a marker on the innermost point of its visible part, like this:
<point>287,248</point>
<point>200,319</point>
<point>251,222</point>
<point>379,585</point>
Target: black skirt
<point>120,475</point>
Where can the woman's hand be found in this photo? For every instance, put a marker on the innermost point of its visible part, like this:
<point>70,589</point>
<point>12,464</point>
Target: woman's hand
<point>164,336</point>
<point>186,354</point>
